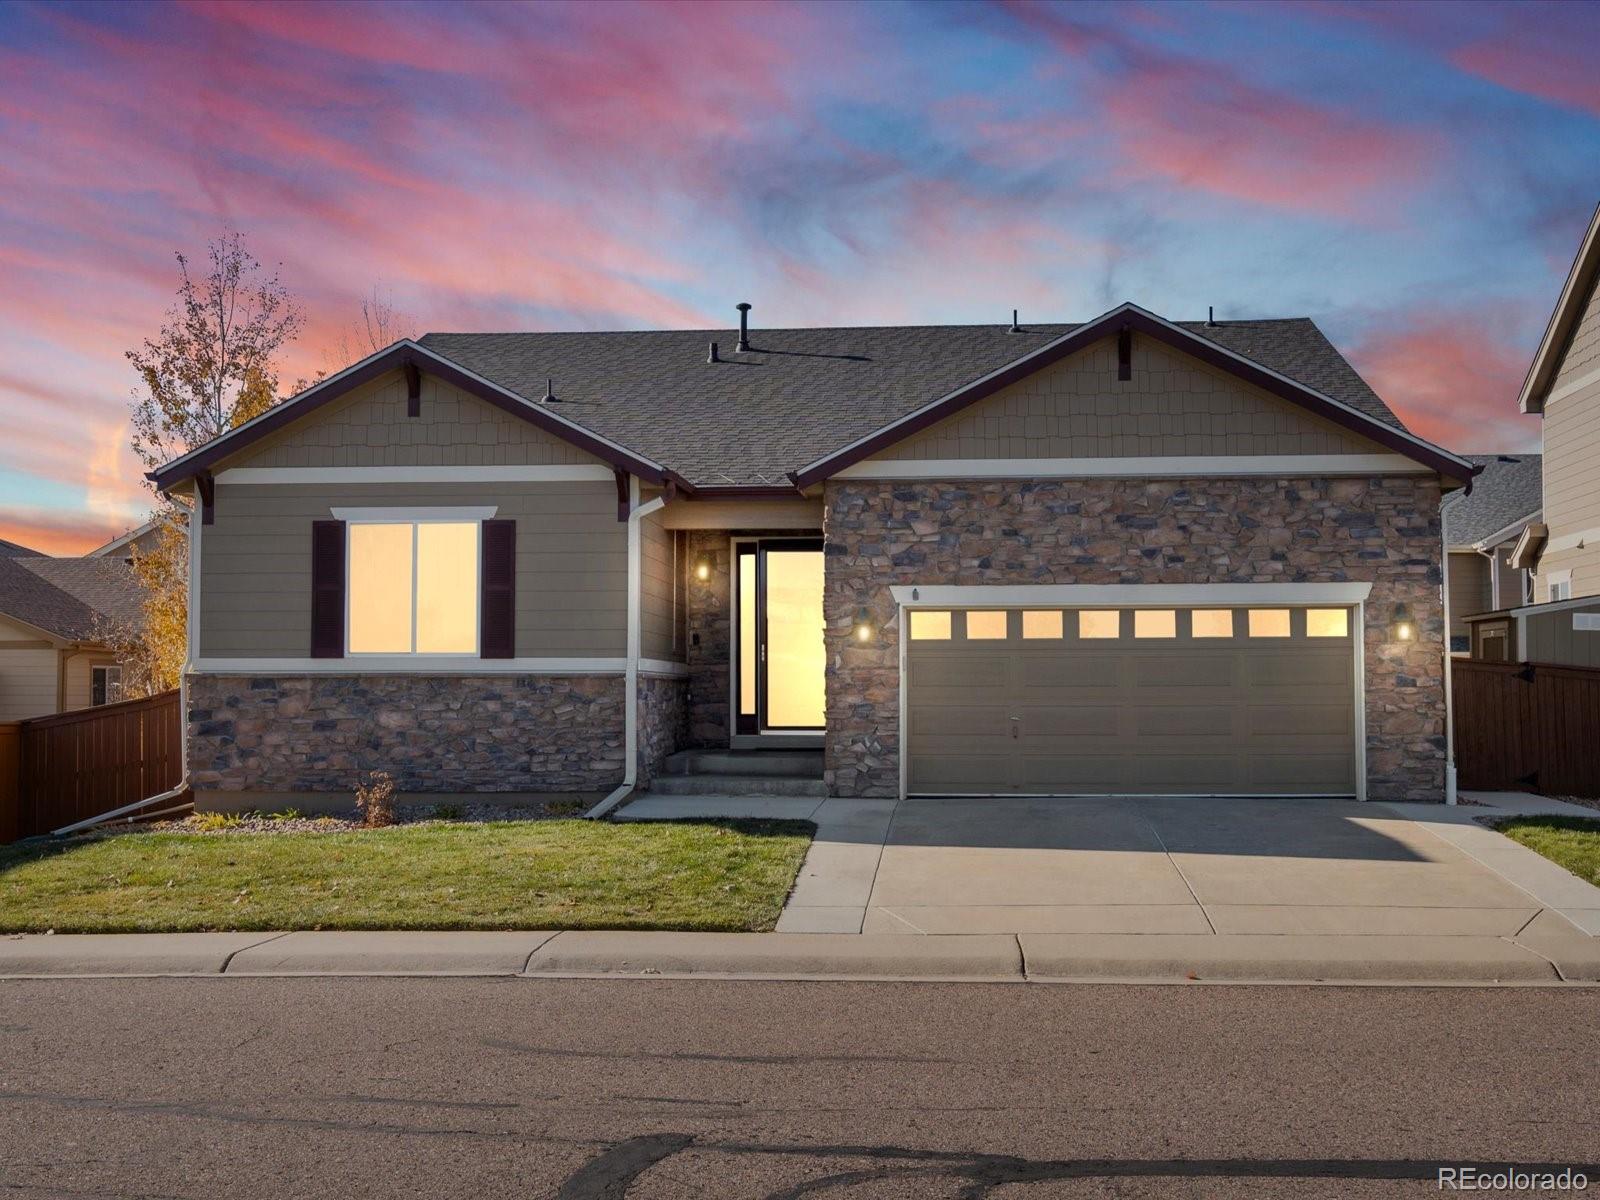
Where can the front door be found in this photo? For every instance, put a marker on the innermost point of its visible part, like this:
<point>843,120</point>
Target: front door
<point>779,657</point>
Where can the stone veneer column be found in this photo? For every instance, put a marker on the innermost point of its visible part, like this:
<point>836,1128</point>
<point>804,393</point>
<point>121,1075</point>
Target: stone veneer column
<point>1383,530</point>
<point>710,648</point>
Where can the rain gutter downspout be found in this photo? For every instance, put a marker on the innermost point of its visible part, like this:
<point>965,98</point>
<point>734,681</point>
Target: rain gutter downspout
<point>630,697</point>
<point>1449,681</point>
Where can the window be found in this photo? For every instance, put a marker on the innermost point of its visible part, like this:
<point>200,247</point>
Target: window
<point>1327,622</point>
<point>1041,625</point>
<point>1155,623</point>
<point>1269,622</point>
<point>105,684</point>
<point>986,626</point>
<point>1211,623</point>
<point>1560,585</point>
<point>413,587</point>
<point>1099,623</point>
<point>930,626</point>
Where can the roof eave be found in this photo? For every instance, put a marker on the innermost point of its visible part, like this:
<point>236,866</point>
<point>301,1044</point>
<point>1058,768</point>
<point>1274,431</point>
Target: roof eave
<point>380,363</point>
<point>1129,315</point>
<point>1557,330</point>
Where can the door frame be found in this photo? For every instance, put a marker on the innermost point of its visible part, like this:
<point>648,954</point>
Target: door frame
<point>1140,595</point>
<point>740,726</point>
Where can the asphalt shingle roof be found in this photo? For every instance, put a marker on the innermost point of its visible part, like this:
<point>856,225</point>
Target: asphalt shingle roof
<point>1509,488</point>
<point>16,550</point>
<point>70,597</point>
<point>801,394</point>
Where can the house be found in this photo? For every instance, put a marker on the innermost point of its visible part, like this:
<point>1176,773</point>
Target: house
<point>1481,530</point>
<point>1561,622</point>
<point>142,540</point>
<point>54,616</point>
<point>1127,556</point>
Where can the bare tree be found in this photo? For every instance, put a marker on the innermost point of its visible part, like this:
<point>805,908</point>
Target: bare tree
<point>380,325</point>
<point>212,365</point>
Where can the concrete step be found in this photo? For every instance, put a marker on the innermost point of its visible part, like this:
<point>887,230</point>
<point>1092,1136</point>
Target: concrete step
<point>800,763</point>
<point>737,785</point>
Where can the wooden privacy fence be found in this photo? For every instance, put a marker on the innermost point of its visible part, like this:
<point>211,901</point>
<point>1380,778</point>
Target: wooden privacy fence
<point>80,764</point>
<point>1527,726</point>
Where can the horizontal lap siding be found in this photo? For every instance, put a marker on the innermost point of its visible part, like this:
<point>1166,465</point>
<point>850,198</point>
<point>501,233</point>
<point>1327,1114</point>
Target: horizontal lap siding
<point>660,618</point>
<point>27,683</point>
<point>1572,460</point>
<point>1469,590</point>
<point>572,563</point>
<point>1173,405</point>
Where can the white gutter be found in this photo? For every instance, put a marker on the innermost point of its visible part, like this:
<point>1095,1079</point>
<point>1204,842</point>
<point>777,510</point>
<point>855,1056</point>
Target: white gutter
<point>630,697</point>
<point>1449,684</point>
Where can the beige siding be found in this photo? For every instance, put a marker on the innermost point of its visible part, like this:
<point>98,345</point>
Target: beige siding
<point>1469,590</point>
<point>80,678</point>
<point>661,610</point>
<point>369,428</point>
<point>1572,488</point>
<point>1550,638</point>
<point>1511,585</point>
<point>28,679</point>
<point>572,563</point>
<point>1173,405</point>
<point>1583,352</point>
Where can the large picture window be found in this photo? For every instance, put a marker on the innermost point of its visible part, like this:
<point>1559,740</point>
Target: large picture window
<point>413,587</point>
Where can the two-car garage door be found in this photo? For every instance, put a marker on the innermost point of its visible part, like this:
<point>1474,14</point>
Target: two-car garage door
<point>1179,701</point>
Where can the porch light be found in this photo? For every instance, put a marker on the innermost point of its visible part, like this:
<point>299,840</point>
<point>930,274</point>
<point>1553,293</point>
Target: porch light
<point>1404,629</point>
<point>864,630</point>
<point>702,570</point>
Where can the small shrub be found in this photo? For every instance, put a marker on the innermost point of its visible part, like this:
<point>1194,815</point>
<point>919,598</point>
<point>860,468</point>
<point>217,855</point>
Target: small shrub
<point>448,812</point>
<point>211,822</point>
<point>375,800</point>
<point>288,814</point>
<point>565,808</point>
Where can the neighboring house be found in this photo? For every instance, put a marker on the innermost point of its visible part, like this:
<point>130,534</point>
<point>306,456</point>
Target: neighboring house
<point>1129,556</point>
<point>1562,623</point>
<point>13,550</point>
<point>143,540</point>
<point>53,614</point>
<point>1481,529</point>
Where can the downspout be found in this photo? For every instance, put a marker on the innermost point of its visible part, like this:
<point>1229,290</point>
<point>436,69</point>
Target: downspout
<point>630,695</point>
<point>1449,684</point>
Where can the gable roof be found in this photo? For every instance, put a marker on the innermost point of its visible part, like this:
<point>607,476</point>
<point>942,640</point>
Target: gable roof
<point>756,420</point>
<point>17,550</point>
<point>117,543</point>
<point>1570,304</point>
<point>72,598</point>
<point>1507,493</point>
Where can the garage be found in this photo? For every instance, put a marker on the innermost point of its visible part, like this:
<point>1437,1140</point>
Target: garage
<point>1131,701</point>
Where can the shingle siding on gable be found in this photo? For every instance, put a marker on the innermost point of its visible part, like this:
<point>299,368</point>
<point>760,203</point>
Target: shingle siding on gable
<point>1572,488</point>
<point>370,428</point>
<point>1173,405</point>
<point>1583,352</point>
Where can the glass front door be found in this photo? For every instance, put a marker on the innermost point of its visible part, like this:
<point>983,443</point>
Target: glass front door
<point>781,657</point>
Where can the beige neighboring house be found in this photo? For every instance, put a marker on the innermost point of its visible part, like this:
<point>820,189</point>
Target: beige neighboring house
<point>143,540</point>
<point>52,613</point>
<point>1561,624</point>
<point>1482,527</point>
<point>1129,556</point>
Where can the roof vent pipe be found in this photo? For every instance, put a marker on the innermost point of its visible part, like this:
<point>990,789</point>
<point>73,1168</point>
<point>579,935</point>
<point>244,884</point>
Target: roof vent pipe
<point>744,326</point>
<point>711,356</point>
<point>549,392</point>
<point>1015,328</point>
<point>1211,317</point>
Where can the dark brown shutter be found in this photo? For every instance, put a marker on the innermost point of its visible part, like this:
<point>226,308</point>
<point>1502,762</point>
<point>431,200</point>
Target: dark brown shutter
<point>497,620</point>
<point>327,589</point>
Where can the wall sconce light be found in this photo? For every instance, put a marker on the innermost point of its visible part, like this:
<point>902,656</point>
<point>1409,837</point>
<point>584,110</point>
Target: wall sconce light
<point>1405,629</point>
<point>864,629</point>
<point>702,570</point>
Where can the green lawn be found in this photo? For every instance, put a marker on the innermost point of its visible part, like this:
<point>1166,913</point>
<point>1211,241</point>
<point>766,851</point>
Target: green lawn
<point>702,875</point>
<point>1571,842</point>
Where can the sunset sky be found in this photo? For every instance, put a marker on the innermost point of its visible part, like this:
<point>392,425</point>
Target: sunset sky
<point>1413,177</point>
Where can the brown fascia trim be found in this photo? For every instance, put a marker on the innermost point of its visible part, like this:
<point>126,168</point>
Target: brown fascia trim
<point>1179,339</point>
<point>746,491</point>
<point>397,356</point>
<point>1565,318</point>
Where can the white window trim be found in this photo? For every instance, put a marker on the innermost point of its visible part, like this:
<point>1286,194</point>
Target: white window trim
<point>551,473</point>
<point>1221,465</point>
<point>416,518</point>
<point>1557,579</point>
<point>108,668</point>
<point>405,664</point>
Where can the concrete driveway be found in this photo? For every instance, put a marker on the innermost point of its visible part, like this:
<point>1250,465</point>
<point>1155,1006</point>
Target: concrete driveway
<point>1180,866</point>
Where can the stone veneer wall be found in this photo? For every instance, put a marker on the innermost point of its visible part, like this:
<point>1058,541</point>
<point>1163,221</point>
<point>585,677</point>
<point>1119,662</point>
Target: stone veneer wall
<point>433,733</point>
<point>1383,530</point>
<point>663,722</point>
<point>710,624</point>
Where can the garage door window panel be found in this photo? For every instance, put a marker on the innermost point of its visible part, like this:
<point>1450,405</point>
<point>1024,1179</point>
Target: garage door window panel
<point>988,626</point>
<point>1042,625</point>
<point>1327,622</point>
<point>1098,624</point>
<point>929,625</point>
<point>1155,623</point>
<point>1269,623</point>
<point>1211,623</point>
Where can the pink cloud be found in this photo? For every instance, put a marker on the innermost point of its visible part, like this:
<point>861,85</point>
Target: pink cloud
<point>1544,67</point>
<point>1450,380</point>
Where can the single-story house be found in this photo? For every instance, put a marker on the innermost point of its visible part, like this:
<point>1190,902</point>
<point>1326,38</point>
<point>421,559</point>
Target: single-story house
<point>1130,556</point>
<point>1482,527</point>
<point>54,616</point>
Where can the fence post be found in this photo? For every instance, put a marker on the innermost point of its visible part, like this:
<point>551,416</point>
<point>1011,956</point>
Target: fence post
<point>10,781</point>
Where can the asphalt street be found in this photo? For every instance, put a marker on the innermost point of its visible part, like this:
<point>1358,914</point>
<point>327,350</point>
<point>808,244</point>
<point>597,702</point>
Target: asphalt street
<point>647,1088</point>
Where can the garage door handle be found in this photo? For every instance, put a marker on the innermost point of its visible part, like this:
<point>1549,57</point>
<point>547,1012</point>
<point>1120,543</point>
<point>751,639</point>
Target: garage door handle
<point>1015,726</point>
